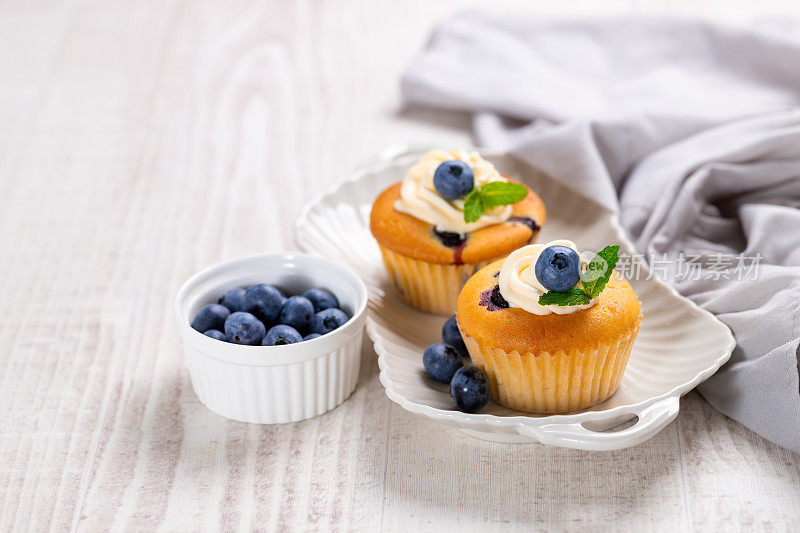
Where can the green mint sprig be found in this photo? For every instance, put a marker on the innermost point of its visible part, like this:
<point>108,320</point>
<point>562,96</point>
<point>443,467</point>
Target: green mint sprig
<point>598,271</point>
<point>572,296</point>
<point>593,280</point>
<point>491,195</point>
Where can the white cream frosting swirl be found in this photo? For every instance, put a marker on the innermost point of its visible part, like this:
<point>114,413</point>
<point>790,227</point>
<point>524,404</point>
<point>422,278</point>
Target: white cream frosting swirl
<point>419,198</point>
<point>520,286</point>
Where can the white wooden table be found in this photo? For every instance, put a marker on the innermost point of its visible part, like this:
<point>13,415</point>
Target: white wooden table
<point>140,141</point>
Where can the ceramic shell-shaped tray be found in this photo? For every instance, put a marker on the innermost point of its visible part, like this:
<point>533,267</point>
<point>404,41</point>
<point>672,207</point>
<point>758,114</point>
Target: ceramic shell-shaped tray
<point>679,345</point>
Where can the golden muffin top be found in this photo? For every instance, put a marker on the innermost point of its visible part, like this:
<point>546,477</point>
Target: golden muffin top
<point>414,238</point>
<point>482,315</point>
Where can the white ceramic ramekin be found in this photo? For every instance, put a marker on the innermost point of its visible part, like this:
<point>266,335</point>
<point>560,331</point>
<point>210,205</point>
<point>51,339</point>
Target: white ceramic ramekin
<point>274,384</point>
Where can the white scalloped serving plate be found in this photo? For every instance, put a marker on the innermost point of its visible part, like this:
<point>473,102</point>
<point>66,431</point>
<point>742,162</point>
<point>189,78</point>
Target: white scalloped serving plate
<point>678,347</point>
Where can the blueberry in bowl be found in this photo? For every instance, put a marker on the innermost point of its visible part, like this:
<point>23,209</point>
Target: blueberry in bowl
<point>296,312</point>
<point>233,299</point>
<point>244,328</point>
<point>216,334</point>
<point>327,320</point>
<point>264,302</point>
<point>253,368</point>
<point>296,316</point>
<point>321,299</point>
<point>280,335</point>
<point>212,316</point>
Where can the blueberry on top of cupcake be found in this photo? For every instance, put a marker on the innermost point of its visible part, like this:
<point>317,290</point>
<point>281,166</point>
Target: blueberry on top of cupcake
<point>558,268</point>
<point>453,179</point>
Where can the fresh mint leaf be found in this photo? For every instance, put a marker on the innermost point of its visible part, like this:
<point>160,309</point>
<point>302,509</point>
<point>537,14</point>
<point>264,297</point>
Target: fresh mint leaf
<point>599,270</point>
<point>491,195</point>
<point>497,193</point>
<point>573,296</point>
<point>473,206</point>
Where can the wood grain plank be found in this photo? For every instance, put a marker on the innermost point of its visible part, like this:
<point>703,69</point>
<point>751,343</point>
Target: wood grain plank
<point>734,476</point>
<point>439,477</point>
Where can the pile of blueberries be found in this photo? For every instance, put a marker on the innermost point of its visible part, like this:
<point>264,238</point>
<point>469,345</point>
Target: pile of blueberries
<point>469,386</point>
<point>263,315</point>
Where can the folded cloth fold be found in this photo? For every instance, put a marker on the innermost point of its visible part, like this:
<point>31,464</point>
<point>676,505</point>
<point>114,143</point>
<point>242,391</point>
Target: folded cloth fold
<point>690,130</point>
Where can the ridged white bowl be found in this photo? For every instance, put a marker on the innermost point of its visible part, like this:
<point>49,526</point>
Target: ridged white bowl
<point>274,384</point>
<point>679,345</point>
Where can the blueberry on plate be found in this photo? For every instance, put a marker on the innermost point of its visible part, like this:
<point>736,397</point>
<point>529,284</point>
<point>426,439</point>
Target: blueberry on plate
<point>453,179</point>
<point>321,299</point>
<point>558,268</point>
<point>470,389</point>
<point>311,336</point>
<point>233,300</point>
<point>264,302</point>
<point>211,316</point>
<point>451,336</point>
<point>216,334</point>
<point>327,320</point>
<point>297,312</point>
<point>244,328</point>
<point>280,335</point>
<point>441,361</point>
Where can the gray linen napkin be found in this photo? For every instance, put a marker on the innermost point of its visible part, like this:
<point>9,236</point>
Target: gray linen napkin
<point>690,130</point>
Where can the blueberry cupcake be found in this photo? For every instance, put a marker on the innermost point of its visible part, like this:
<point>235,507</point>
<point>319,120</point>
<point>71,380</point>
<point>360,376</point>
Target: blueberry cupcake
<point>552,332</point>
<point>452,214</point>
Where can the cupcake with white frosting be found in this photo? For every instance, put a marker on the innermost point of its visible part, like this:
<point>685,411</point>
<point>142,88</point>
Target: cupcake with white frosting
<point>553,331</point>
<point>452,213</point>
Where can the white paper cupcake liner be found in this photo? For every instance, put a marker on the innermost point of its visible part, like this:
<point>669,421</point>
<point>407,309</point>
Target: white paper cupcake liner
<point>560,382</point>
<point>429,287</point>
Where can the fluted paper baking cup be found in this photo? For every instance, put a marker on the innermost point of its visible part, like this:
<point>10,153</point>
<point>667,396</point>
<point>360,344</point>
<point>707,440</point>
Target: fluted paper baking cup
<point>560,382</point>
<point>429,287</point>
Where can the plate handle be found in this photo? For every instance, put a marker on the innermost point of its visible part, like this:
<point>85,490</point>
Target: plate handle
<point>652,419</point>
